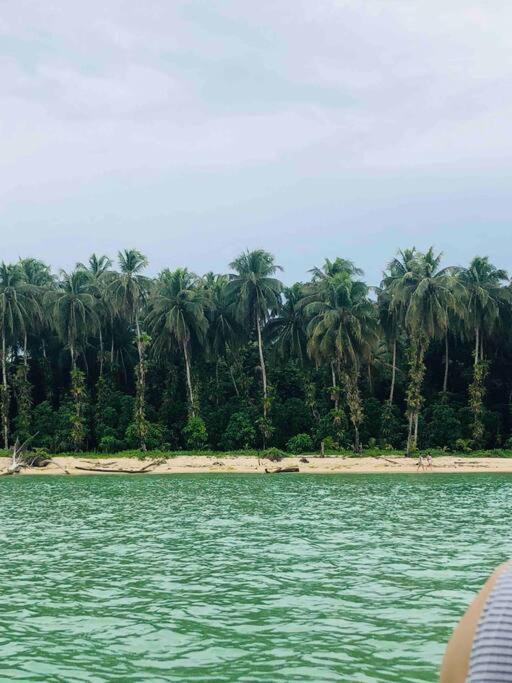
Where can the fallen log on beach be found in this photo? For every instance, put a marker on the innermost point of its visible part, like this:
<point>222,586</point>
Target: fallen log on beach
<point>143,470</point>
<point>282,470</point>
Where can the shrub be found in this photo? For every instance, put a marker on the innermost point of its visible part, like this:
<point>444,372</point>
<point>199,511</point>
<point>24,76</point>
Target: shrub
<point>300,443</point>
<point>154,439</point>
<point>463,444</point>
<point>333,426</point>
<point>109,444</point>
<point>239,433</point>
<point>195,434</point>
<point>274,454</point>
<point>444,427</point>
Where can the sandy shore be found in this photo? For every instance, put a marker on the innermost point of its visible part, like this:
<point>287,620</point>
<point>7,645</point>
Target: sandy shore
<point>250,464</point>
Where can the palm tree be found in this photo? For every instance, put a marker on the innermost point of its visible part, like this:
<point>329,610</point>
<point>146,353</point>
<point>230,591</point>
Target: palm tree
<point>485,295</point>
<point>73,311</point>
<point>288,328</point>
<point>422,295</point>
<point>342,328</point>
<point>129,288</point>
<point>256,295</point>
<point>225,333</point>
<point>15,307</point>
<point>100,277</point>
<point>39,279</point>
<point>390,327</point>
<point>485,299</point>
<point>177,317</point>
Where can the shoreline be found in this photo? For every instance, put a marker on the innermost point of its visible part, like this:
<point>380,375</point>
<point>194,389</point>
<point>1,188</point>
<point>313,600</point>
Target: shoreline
<point>194,464</point>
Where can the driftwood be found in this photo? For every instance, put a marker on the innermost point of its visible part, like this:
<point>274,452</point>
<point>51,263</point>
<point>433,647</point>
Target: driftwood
<point>282,470</point>
<point>17,459</point>
<point>119,470</point>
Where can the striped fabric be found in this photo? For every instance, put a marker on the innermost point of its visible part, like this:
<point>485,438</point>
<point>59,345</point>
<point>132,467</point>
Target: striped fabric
<point>491,655</point>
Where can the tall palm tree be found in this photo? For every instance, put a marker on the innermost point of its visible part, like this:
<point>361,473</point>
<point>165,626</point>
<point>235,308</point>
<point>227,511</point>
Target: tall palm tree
<point>129,288</point>
<point>256,294</point>
<point>73,311</point>
<point>15,307</point>
<point>485,295</point>
<point>288,328</point>
<point>342,328</point>
<point>485,299</point>
<point>225,334</point>
<point>100,278</point>
<point>422,296</point>
<point>177,318</point>
<point>390,327</point>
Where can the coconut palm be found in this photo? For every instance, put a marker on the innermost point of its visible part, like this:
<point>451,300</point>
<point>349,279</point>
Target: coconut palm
<point>342,328</point>
<point>485,295</point>
<point>177,318</point>
<point>288,328</point>
<point>390,328</point>
<point>15,308</point>
<point>100,278</point>
<point>129,288</point>
<point>73,312</point>
<point>255,294</point>
<point>422,296</point>
<point>225,334</point>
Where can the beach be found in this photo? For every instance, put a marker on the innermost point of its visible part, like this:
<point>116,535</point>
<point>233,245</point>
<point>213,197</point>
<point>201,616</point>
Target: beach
<point>190,464</point>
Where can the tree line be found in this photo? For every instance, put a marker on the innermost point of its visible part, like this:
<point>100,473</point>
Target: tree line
<point>105,357</point>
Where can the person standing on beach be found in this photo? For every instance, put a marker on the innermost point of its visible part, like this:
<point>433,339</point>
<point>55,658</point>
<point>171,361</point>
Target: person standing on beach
<point>421,464</point>
<point>429,462</point>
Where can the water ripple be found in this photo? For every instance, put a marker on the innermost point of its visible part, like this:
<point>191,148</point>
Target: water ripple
<point>250,578</point>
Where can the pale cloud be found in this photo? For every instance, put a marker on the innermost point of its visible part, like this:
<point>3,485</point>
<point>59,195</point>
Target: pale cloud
<point>217,111</point>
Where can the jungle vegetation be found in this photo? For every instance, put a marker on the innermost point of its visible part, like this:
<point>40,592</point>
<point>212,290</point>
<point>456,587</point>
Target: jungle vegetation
<point>107,358</point>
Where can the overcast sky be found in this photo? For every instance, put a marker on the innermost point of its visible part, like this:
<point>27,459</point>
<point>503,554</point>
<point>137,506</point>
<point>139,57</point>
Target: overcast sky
<point>313,128</point>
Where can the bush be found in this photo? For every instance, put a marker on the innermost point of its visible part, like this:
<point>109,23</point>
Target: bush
<point>195,434</point>
<point>274,454</point>
<point>109,444</point>
<point>300,443</point>
<point>333,426</point>
<point>155,436</point>
<point>444,427</point>
<point>239,433</point>
<point>463,444</point>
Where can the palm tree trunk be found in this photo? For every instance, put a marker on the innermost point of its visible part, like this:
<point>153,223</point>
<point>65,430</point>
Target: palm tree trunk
<point>5,393</point>
<point>477,342</point>
<point>262,365</point>
<point>233,380</point>
<point>393,374</point>
<point>101,352</point>
<point>217,382</point>
<point>370,381</point>
<point>112,340</point>
<point>446,362</point>
<point>189,379</point>
<point>336,393</point>
<point>25,350</point>
<point>73,357</point>
<point>409,435</point>
<point>415,442</point>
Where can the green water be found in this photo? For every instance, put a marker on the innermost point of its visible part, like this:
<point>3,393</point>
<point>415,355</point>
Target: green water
<point>242,577</point>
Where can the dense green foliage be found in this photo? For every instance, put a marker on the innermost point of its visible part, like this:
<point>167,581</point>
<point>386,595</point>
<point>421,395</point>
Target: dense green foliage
<point>106,358</point>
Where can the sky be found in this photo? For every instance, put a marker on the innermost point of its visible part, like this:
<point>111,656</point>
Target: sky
<point>195,129</point>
